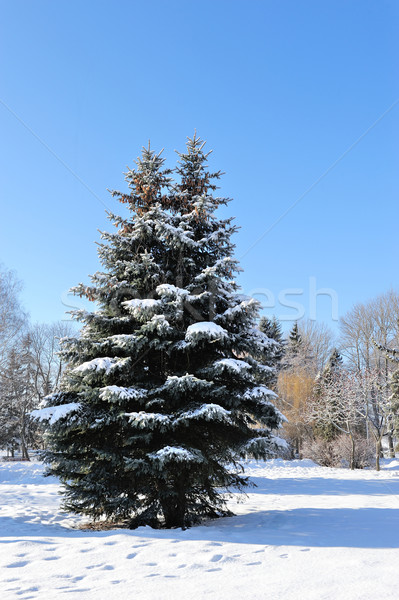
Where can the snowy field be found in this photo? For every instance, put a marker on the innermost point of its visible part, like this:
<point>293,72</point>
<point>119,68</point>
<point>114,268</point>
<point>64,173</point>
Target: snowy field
<point>304,533</point>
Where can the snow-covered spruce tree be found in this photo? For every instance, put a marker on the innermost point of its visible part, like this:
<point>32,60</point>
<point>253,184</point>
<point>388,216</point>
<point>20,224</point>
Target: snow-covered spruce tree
<point>159,400</point>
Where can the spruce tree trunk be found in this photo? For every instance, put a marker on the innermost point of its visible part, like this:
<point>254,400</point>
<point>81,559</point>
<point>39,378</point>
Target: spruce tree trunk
<point>174,506</point>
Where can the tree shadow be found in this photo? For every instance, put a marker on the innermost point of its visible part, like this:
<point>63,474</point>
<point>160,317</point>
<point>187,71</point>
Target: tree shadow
<point>319,486</point>
<point>315,527</point>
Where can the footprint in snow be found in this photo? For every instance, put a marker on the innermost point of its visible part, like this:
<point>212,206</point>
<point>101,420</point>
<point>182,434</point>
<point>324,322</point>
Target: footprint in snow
<point>216,558</point>
<point>21,563</point>
<point>95,566</point>
<point>31,589</point>
<point>215,544</point>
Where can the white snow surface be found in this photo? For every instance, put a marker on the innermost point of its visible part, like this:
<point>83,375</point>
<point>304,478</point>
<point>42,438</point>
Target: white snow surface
<point>304,533</point>
<point>53,413</point>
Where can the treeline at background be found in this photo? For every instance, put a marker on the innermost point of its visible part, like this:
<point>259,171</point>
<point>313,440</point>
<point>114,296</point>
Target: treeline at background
<point>339,392</point>
<point>30,368</point>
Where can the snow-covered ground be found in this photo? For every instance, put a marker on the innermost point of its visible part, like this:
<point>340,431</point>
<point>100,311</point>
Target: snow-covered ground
<point>304,533</point>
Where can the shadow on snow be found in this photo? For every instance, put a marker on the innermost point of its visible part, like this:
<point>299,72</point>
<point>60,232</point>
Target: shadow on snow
<point>317,527</point>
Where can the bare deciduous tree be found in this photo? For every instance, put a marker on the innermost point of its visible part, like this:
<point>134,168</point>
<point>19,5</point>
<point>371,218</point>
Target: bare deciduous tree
<point>318,341</point>
<point>44,345</point>
<point>378,320</point>
<point>12,317</point>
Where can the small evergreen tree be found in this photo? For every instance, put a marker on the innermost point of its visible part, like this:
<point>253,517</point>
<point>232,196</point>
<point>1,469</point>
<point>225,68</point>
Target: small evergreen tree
<point>274,355</point>
<point>293,357</point>
<point>334,363</point>
<point>159,399</point>
<point>295,338</point>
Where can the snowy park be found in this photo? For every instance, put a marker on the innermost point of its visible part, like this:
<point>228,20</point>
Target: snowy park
<point>304,531</point>
<point>199,300</point>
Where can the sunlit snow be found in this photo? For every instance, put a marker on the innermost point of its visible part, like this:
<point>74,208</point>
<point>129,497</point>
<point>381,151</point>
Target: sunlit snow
<point>304,533</point>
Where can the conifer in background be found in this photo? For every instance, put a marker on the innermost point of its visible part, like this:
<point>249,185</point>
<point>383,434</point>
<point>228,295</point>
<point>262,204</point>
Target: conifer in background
<point>274,356</point>
<point>160,398</point>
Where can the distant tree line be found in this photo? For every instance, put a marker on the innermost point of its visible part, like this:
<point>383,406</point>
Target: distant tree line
<point>30,368</point>
<point>340,394</point>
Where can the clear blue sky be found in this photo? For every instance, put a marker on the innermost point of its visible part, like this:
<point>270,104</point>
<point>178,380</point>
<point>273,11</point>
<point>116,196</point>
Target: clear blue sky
<point>280,90</point>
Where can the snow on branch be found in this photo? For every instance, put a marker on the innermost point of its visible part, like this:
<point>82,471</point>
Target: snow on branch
<point>259,392</point>
<point>104,364</point>
<point>205,330</point>
<point>53,413</point>
<point>185,383</point>
<point>245,303</point>
<point>151,420</point>
<point>209,412</point>
<point>141,307</point>
<point>175,454</point>
<point>232,365</point>
<point>171,291</point>
<point>121,393</point>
